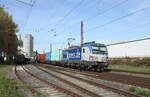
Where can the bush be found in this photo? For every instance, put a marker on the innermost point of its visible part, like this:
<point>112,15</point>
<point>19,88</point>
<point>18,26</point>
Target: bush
<point>132,89</point>
<point>144,92</point>
<point>131,61</point>
<point>140,91</point>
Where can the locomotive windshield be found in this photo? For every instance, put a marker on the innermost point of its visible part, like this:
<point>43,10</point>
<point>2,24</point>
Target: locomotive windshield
<point>99,50</point>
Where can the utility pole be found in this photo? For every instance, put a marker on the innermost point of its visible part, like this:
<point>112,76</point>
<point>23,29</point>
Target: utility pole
<point>82,37</point>
<point>50,47</point>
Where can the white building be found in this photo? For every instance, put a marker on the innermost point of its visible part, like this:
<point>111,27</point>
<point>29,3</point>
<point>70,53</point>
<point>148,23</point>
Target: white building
<point>134,48</point>
<point>20,47</point>
<point>26,46</point>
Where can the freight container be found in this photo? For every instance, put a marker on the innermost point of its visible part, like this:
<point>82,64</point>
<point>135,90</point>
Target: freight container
<point>56,55</point>
<point>42,57</point>
<point>48,56</point>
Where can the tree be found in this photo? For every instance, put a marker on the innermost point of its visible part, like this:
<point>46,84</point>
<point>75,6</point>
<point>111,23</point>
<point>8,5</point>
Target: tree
<point>8,37</point>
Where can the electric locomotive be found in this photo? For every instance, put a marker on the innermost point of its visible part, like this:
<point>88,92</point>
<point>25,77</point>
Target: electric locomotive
<point>89,56</point>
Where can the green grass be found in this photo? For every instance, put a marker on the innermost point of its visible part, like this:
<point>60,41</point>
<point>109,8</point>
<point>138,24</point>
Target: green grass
<point>7,86</point>
<point>140,91</point>
<point>40,95</point>
<point>143,62</point>
<point>130,68</point>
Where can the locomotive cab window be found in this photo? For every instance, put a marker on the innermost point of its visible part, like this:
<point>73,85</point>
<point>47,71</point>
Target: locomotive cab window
<point>83,50</point>
<point>99,49</point>
<point>64,55</point>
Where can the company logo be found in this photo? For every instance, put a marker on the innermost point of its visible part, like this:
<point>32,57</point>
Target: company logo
<point>74,55</point>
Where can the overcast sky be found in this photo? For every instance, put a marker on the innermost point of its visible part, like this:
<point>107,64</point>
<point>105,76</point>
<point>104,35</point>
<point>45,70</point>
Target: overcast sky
<point>53,21</point>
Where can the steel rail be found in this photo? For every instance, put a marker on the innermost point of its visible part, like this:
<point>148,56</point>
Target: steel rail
<point>126,79</point>
<point>33,91</point>
<point>70,83</point>
<point>53,85</point>
<point>125,93</point>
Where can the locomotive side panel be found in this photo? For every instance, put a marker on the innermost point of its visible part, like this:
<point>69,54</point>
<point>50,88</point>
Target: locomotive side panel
<point>72,54</point>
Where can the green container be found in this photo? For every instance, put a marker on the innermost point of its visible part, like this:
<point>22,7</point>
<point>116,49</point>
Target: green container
<point>56,55</point>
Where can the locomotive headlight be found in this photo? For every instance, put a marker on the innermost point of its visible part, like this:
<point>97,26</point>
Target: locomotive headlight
<point>104,59</point>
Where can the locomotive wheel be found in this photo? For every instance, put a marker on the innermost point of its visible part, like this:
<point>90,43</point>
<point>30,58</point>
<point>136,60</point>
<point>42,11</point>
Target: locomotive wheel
<point>98,69</point>
<point>102,69</point>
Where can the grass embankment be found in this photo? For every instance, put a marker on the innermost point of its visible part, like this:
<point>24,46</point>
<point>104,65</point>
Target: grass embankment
<point>143,62</point>
<point>130,68</point>
<point>7,86</point>
<point>136,90</point>
<point>131,64</point>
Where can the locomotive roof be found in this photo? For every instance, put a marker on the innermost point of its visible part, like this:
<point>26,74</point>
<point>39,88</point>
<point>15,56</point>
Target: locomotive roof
<point>93,43</point>
<point>72,47</point>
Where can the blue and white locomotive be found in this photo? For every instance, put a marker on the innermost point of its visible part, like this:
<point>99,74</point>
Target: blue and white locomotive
<point>89,56</point>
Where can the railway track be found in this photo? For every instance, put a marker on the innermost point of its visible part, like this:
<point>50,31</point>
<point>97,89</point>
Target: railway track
<point>132,72</point>
<point>86,87</point>
<point>37,86</point>
<point>72,84</point>
<point>125,79</point>
<point>33,91</point>
<point>69,93</point>
<point>125,93</point>
<point>121,78</point>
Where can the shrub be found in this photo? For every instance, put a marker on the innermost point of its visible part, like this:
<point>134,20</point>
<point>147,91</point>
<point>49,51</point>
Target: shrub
<point>131,61</point>
<point>144,92</point>
<point>140,91</point>
<point>132,89</point>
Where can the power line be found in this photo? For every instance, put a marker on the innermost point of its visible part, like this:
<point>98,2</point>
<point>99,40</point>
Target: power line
<point>68,13</point>
<point>53,13</point>
<point>78,22</point>
<point>34,2</point>
<point>100,13</point>
<point>24,2</point>
<point>134,27</point>
<point>120,18</point>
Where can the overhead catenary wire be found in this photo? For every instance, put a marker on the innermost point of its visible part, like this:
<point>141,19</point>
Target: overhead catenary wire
<point>101,13</point>
<point>29,4</point>
<point>53,13</point>
<point>120,18</point>
<point>135,27</point>
<point>68,13</point>
<point>28,16</point>
<point>98,2</point>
